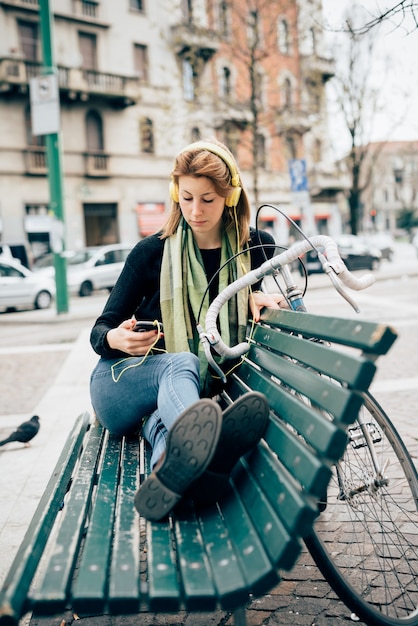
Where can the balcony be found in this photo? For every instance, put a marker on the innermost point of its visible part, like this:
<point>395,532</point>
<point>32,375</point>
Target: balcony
<point>190,40</point>
<point>35,161</point>
<point>22,4</point>
<point>81,10</point>
<point>318,67</point>
<point>74,83</point>
<point>292,119</point>
<point>96,164</point>
<point>227,113</point>
<point>326,180</point>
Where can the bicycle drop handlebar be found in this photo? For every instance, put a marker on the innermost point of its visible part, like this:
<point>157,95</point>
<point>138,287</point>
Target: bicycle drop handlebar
<point>332,264</point>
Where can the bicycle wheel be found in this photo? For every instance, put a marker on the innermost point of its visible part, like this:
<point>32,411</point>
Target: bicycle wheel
<point>365,541</point>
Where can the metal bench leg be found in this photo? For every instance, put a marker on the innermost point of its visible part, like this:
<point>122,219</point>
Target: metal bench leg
<point>240,618</point>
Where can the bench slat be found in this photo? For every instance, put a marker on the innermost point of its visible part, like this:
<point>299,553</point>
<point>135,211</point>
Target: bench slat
<point>124,589</point>
<point>13,596</point>
<point>305,466</point>
<point>193,563</point>
<point>251,555</point>
<point>89,590</point>
<point>320,433</point>
<point>351,369</point>
<point>163,588</point>
<point>51,595</point>
<point>367,336</point>
<point>341,402</point>
<point>292,506</point>
<point>230,583</point>
<point>282,547</point>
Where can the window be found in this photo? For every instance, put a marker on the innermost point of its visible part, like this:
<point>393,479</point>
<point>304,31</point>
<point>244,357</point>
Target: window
<point>260,143</point>
<point>88,50</point>
<point>188,80</point>
<point>311,41</point>
<point>226,83</point>
<point>28,39</point>
<point>223,19</point>
<point>254,31</point>
<point>287,93</point>
<point>136,5</point>
<point>94,132</point>
<point>187,10</point>
<point>290,147</point>
<point>32,140</point>
<point>284,39</point>
<point>141,61</point>
<point>317,151</point>
<point>146,135</point>
<point>196,134</point>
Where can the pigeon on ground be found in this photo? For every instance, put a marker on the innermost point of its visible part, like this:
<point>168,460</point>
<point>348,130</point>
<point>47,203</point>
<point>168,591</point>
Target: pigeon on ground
<point>24,433</point>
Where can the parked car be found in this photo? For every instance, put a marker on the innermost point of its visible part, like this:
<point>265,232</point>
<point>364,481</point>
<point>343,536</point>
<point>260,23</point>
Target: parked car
<point>90,268</point>
<point>22,288</point>
<point>356,254</point>
<point>383,242</point>
<point>311,263</point>
<point>415,242</point>
<point>19,251</point>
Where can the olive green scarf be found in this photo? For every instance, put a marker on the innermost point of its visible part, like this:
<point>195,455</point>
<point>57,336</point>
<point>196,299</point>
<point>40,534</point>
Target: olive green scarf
<point>183,285</point>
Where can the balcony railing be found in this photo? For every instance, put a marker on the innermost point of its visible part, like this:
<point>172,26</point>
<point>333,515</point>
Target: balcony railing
<point>22,4</point>
<point>73,82</point>
<point>96,164</point>
<point>320,66</point>
<point>191,39</point>
<point>35,160</point>
<point>86,8</point>
<point>292,119</point>
<point>81,10</point>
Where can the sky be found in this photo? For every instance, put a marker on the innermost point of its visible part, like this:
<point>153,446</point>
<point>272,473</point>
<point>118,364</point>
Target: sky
<point>396,69</point>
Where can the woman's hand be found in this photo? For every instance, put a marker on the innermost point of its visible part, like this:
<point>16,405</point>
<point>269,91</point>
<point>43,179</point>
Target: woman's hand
<point>124,338</point>
<point>259,299</point>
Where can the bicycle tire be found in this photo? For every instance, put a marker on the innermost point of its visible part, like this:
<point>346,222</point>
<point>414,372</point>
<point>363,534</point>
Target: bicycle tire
<point>365,541</point>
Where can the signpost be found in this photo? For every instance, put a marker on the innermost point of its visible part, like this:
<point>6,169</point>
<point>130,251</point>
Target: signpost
<point>44,97</point>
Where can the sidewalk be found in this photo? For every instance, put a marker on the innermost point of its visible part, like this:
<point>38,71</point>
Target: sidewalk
<point>24,472</point>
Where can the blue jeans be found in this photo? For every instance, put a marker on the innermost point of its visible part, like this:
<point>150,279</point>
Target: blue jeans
<point>124,391</point>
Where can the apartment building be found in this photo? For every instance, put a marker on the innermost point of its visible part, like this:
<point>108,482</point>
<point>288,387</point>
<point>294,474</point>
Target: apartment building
<point>137,81</point>
<point>392,184</point>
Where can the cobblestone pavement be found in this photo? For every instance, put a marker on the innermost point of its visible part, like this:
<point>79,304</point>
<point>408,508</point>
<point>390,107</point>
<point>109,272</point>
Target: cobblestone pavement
<point>303,597</point>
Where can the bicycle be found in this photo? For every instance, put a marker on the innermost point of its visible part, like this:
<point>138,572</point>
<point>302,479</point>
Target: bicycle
<point>365,542</point>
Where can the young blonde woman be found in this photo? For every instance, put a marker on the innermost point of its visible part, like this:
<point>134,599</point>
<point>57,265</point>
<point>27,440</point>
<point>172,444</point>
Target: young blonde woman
<point>158,380</point>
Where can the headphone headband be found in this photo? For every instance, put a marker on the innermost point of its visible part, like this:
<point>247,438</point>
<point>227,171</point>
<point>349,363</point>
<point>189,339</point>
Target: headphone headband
<point>230,201</point>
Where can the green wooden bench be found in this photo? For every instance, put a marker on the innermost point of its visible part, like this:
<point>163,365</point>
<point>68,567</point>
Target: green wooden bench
<point>97,556</point>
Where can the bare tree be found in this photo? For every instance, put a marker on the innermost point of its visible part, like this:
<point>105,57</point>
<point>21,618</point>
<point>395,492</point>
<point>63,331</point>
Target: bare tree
<point>252,49</point>
<point>397,15</point>
<point>357,98</point>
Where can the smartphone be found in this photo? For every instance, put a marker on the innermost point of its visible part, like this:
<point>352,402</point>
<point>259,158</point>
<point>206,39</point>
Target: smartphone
<point>143,326</point>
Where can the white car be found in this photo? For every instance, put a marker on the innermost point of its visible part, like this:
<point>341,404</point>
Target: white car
<point>415,242</point>
<point>21,288</point>
<point>90,268</point>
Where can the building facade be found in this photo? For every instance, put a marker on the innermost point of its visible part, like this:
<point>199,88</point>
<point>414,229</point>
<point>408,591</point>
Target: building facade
<point>137,81</point>
<point>392,188</point>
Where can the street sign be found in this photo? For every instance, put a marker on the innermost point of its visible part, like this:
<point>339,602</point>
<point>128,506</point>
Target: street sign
<point>44,101</point>
<point>298,178</point>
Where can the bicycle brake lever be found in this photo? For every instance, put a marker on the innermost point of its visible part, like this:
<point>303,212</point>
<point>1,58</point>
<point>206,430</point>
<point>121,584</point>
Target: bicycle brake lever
<point>328,269</point>
<point>206,346</point>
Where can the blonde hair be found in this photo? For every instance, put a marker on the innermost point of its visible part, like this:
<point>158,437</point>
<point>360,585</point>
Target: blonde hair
<point>200,162</point>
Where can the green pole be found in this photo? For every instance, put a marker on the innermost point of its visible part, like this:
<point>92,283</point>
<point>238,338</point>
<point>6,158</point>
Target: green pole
<point>53,150</point>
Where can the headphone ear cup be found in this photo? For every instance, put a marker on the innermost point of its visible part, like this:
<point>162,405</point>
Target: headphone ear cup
<point>233,199</point>
<point>174,191</point>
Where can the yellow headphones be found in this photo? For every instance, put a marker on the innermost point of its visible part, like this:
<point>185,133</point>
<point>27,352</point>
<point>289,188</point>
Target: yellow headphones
<point>230,201</point>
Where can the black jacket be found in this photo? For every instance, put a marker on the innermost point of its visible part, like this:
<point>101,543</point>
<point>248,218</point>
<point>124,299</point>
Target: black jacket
<point>137,290</point>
